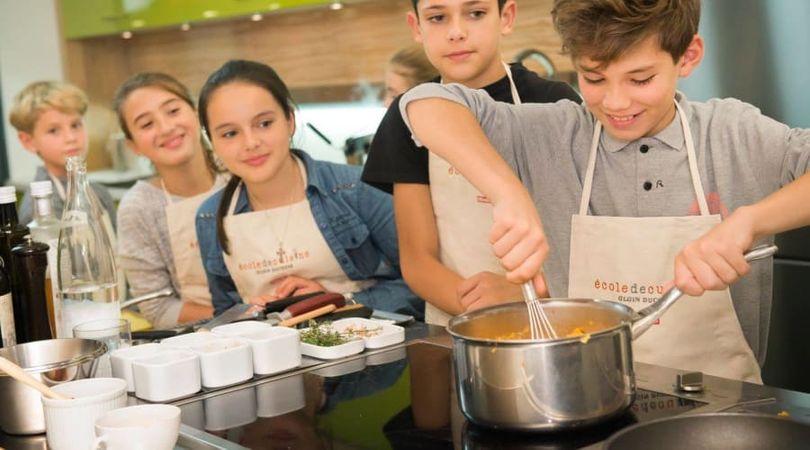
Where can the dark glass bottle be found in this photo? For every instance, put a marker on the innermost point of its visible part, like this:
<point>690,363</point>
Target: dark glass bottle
<point>7,335</point>
<point>31,305</point>
<point>11,234</point>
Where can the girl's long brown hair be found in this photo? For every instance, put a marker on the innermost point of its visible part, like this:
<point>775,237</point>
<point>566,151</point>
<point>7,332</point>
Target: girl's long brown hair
<point>169,84</point>
<point>250,72</point>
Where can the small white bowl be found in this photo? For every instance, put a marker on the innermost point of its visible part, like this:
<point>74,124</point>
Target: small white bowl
<point>70,423</point>
<point>121,361</point>
<point>280,396</point>
<point>275,349</point>
<point>223,361</point>
<point>376,334</point>
<point>188,340</point>
<point>168,375</point>
<point>352,347</point>
<point>155,427</point>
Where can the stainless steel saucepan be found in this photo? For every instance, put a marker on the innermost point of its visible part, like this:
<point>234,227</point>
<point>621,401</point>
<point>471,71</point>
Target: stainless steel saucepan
<point>506,381</point>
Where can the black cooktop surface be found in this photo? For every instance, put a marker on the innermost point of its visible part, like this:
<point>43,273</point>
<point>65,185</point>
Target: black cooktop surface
<point>401,399</point>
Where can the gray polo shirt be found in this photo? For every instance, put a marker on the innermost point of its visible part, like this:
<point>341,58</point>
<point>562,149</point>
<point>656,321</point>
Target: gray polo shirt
<point>742,156</point>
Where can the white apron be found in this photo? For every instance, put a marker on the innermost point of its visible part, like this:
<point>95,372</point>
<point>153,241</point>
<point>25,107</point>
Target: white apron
<point>463,221</point>
<point>188,265</point>
<point>628,259</point>
<point>266,246</point>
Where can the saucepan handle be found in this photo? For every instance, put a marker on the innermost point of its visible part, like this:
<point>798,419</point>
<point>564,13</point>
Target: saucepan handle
<point>646,317</point>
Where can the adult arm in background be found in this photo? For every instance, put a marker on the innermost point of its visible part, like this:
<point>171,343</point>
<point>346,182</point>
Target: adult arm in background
<point>517,234</point>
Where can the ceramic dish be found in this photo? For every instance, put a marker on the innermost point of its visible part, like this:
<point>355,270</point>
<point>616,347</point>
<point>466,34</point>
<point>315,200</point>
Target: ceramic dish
<point>376,334</point>
<point>275,349</point>
<point>168,375</point>
<point>223,361</point>
<point>121,361</point>
<point>352,347</point>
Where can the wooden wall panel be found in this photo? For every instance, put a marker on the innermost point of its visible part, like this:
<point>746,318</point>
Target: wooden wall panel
<point>314,50</point>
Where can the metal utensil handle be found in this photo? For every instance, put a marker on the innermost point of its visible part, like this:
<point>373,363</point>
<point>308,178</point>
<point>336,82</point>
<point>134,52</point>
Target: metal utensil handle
<point>649,315</point>
<point>528,291</point>
<point>150,296</point>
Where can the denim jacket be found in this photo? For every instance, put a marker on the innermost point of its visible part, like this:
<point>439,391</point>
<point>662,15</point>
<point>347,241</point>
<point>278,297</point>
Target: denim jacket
<point>357,222</point>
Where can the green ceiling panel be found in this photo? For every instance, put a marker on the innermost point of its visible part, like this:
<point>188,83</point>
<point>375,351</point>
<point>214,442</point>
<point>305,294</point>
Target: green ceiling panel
<point>87,18</point>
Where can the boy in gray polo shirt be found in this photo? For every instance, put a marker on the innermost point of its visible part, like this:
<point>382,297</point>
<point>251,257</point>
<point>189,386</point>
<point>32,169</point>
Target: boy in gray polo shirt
<point>629,55</point>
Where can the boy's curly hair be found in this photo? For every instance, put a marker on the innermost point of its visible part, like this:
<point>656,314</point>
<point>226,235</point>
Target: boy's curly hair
<point>604,29</point>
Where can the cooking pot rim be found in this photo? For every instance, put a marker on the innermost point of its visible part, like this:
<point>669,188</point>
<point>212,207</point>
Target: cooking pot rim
<point>100,349</point>
<point>618,307</point>
<point>691,417</point>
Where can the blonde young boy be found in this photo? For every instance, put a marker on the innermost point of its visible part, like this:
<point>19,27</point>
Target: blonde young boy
<point>442,221</point>
<point>48,118</point>
<point>632,185</point>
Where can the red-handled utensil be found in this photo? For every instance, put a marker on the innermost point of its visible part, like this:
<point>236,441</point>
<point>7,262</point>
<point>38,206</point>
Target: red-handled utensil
<point>305,306</point>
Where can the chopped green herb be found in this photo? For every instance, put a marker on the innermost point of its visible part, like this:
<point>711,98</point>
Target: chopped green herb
<point>322,335</point>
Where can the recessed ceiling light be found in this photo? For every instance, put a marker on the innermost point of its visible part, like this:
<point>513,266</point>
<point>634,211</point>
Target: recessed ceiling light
<point>185,27</point>
<point>138,23</point>
<point>126,35</point>
<point>336,5</point>
<point>210,13</point>
<point>274,6</point>
<point>256,17</point>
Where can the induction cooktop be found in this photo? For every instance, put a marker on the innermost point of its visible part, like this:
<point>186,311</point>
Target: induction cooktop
<point>401,399</point>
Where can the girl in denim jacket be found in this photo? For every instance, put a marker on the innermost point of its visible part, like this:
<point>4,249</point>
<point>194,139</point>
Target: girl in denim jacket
<point>287,224</point>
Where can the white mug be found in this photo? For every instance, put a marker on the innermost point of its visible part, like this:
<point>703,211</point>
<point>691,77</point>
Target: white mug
<point>69,423</point>
<point>142,427</point>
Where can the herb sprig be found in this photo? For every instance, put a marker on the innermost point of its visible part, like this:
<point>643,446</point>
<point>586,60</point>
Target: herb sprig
<point>322,334</point>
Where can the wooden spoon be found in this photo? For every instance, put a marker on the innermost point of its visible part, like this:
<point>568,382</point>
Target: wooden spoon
<point>17,372</point>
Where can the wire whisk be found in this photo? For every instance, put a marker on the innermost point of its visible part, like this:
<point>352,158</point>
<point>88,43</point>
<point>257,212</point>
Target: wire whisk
<point>539,325</point>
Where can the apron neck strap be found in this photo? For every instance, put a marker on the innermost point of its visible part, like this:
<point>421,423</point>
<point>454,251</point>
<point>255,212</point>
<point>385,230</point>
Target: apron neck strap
<point>515,96</point>
<point>587,186</point>
<point>57,186</point>
<point>512,87</point>
<point>234,198</point>
<point>166,192</point>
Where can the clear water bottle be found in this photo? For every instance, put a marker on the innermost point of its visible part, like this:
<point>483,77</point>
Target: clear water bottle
<point>45,229</point>
<point>87,271</point>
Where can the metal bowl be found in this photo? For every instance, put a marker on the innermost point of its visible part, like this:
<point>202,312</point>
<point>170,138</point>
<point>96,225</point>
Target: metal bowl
<point>52,361</point>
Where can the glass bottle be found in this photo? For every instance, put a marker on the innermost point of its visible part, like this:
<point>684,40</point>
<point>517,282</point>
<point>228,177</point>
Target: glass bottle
<point>31,306</point>
<point>11,235</point>
<point>45,228</point>
<point>87,271</point>
<point>7,329</point>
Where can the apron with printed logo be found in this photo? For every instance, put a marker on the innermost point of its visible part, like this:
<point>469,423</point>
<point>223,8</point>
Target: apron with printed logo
<point>185,248</point>
<point>266,246</point>
<point>463,222</point>
<point>628,260</point>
